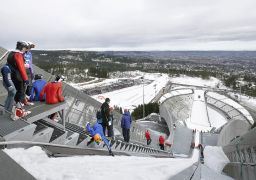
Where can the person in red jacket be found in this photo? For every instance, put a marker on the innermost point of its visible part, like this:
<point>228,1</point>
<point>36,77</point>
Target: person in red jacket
<point>161,142</point>
<point>19,77</point>
<point>148,138</point>
<point>53,93</point>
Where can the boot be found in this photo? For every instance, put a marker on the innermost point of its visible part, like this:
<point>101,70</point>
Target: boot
<point>19,113</point>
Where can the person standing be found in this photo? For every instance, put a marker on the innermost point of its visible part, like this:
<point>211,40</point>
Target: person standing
<point>29,67</point>
<point>105,114</point>
<point>110,123</point>
<point>9,86</point>
<point>19,77</point>
<point>161,142</point>
<point>148,138</point>
<point>126,125</point>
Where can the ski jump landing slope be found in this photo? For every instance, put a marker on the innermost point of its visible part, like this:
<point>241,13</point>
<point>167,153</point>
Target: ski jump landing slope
<point>199,114</point>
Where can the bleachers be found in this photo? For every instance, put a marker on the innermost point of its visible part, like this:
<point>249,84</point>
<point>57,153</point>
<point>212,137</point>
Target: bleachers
<point>231,111</point>
<point>230,107</point>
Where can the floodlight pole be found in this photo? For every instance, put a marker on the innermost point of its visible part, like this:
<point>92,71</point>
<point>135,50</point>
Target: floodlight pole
<point>143,97</point>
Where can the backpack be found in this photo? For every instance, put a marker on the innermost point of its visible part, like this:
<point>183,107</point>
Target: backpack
<point>98,115</point>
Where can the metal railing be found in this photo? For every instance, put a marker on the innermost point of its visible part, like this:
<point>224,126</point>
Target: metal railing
<point>242,155</point>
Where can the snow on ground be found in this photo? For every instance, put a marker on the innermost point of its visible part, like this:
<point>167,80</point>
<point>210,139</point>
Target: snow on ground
<point>247,100</point>
<point>36,162</point>
<point>133,96</point>
<point>195,81</point>
<point>90,84</point>
<point>216,118</point>
<point>199,114</point>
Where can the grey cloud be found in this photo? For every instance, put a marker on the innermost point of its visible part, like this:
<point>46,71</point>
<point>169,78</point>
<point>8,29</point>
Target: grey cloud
<point>129,24</point>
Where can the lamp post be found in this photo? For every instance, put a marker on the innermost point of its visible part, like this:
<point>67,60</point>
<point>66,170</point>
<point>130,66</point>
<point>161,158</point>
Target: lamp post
<point>97,69</point>
<point>143,97</point>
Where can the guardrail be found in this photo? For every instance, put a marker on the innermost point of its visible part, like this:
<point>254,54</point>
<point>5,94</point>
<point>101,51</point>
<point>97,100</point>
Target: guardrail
<point>118,148</point>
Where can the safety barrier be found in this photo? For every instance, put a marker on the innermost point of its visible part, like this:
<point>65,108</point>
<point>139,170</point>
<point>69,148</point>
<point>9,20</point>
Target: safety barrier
<point>242,154</point>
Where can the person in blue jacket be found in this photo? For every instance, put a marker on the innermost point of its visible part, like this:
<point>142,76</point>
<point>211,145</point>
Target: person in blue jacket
<point>96,132</point>
<point>29,66</point>
<point>9,86</point>
<point>37,87</point>
<point>126,125</point>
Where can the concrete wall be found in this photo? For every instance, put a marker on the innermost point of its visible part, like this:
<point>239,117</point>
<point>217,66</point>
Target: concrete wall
<point>233,129</point>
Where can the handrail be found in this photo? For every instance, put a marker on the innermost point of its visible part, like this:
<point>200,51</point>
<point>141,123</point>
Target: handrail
<point>2,57</point>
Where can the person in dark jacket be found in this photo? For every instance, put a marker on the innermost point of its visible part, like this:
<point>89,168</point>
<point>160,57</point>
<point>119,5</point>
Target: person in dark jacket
<point>161,142</point>
<point>148,138</point>
<point>9,86</point>
<point>19,77</point>
<point>105,114</point>
<point>126,125</point>
<point>110,123</point>
<point>99,117</point>
<point>96,132</point>
<point>37,87</point>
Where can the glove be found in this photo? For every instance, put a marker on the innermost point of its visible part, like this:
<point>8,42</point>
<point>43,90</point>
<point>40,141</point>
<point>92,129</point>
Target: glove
<point>87,124</point>
<point>109,123</point>
<point>26,82</point>
<point>10,88</point>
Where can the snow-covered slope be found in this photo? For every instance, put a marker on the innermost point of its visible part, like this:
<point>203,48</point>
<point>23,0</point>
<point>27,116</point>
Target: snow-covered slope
<point>36,162</point>
<point>133,96</point>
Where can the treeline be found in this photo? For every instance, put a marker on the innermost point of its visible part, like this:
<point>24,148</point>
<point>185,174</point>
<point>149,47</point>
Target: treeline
<point>246,87</point>
<point>149,108</point>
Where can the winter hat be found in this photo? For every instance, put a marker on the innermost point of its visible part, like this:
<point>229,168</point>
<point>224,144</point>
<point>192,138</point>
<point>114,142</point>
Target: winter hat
<point>38,76</point>
<point>31,45</point>
<point>21,44</point>
<point>107,100</point>
<point>97,138</point>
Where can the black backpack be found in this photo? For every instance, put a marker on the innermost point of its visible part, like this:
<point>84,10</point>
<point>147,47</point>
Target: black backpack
<point>98,115</point>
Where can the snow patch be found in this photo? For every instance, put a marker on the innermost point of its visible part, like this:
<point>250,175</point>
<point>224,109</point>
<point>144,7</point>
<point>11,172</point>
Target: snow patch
<point>42,167</point>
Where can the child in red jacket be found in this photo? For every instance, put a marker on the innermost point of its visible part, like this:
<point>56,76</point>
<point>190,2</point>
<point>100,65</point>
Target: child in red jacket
<point>148,138</point>
<point>161,142</point>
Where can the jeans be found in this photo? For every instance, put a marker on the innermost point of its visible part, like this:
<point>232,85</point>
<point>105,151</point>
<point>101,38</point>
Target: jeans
<point>10,97</point>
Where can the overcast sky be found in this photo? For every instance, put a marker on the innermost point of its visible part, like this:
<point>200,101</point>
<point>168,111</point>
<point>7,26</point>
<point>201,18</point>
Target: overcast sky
<point>130,24</point>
